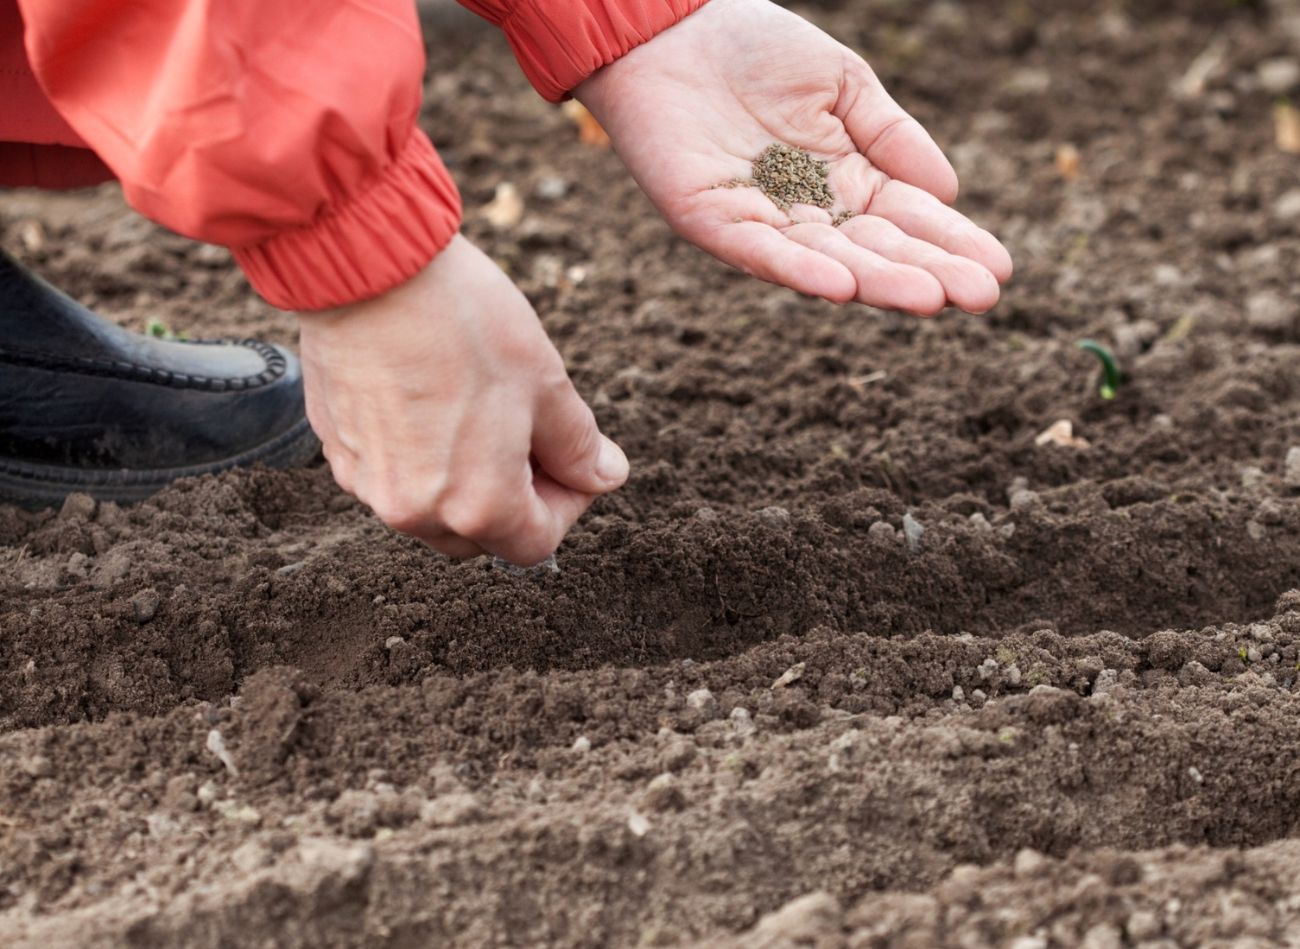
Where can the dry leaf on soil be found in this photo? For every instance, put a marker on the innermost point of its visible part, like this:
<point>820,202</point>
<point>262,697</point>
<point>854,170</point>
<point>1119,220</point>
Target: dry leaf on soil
<point>506,209</point>
<point>1286,124</point>
<point>589,130</point>
<point>1061,433</point>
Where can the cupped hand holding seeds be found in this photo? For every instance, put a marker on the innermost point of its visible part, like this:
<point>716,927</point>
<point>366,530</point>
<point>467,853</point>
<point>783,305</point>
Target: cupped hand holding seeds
<point>776,149</point>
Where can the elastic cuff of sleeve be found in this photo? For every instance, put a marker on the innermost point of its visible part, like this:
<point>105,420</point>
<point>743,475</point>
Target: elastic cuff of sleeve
<point>379,238</point>
<point>559,43</point>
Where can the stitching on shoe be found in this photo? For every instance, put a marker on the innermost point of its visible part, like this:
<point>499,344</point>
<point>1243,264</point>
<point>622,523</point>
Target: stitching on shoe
<point>130,372</point>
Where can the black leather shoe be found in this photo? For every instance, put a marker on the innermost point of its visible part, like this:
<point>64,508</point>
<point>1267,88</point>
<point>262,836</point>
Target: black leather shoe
<point>88,406</point>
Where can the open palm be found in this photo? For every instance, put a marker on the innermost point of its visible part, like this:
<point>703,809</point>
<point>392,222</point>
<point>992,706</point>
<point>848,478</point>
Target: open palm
<point>691,109</point>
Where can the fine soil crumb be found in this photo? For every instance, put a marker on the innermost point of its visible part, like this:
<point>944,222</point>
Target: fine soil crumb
<point>790,176</point>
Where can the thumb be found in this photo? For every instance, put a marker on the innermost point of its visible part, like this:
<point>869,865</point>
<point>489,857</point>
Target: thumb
<point>568,444</point>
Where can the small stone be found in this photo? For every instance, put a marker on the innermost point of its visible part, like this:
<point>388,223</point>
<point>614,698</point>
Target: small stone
<point>1253,654</point>
<point>161,825</point>
<point>1023,499</point>
<point>980,523</point>
<point>1142,924</point>
<point>144,605</point>
<point>741,721</point>
<point>250,856</point>
<point>1195,774</point>
<point>1252,477</point>
<point>774,517</point>
<point>702,701</point>
<point>1102,936</point>
<point>581,745</point>
<point>663,794</point>
<point>77,507</point>
<point>1106,681</point>
<point>551,188</point>
<point>393,641</point>
<point>912,531</point>
<point>958,694</point>
<point>1270,312</point>
<point>1278,77</point>
<point>1291,471</point>
<point>290,569</point>
<point>791,675</point>
<point>678,755</point>
<point>451,810</point>
<point>1029,942</point>
<point>978,697</point>
<point>1013,675</point>
<point>240,813</point>
<point>356,812</point>
<point>1287,206</point>
<point>36,766</point>
<point>638,824</point>
<point>882,531</point>
<point>988,668</point>
<point>207,793</point>
<point>810,920</point>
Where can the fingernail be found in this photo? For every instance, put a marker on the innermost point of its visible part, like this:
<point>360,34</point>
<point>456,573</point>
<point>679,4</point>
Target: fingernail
<point>611,463</point>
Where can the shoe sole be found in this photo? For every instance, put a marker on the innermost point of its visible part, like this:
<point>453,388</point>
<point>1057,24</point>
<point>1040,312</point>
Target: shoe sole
<point>39,486</point>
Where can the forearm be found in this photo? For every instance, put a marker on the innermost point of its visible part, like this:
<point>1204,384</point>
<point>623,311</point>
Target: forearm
<point>284,131</point>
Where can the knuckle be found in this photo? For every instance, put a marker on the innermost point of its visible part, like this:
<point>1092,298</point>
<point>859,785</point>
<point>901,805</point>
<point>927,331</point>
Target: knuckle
<point>401,514</point>
<point>476,515</point>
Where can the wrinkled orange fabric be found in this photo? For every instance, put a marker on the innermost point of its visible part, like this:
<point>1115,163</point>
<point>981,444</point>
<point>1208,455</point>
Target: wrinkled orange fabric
<point>286,131</point>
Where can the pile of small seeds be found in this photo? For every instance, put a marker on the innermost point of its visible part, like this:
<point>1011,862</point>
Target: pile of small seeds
<point>791,176</point>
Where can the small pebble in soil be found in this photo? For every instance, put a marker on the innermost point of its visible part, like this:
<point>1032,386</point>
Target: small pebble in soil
<point>581,745</point>
<point>144,605</point>
<point>551,188</point>
<point>882,531</point>
<point>702,701</point>
<point>663,794</point>
<point>1291,475</point>
<point>741,721</point>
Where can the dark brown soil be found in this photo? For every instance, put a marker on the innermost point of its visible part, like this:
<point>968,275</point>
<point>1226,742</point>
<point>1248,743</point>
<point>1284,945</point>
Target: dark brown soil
<point>852,661</point>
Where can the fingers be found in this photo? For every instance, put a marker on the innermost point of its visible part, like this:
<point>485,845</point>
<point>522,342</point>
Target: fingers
<point>923,216</point>
<point>880,282</point>
<point>527,528</point>
<point>569,446</point>
<point>965,283</point>
<point>894,141</point>
<point>766,253</point>
<point>743,227</point>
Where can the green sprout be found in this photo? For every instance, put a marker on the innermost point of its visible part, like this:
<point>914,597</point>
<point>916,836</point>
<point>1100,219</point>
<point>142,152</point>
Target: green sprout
<point>1111,377</point>
<point>160,330</point>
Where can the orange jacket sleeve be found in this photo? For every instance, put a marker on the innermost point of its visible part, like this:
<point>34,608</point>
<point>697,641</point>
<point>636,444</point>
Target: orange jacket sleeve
<point>559,43</point>
<point>286,130</point>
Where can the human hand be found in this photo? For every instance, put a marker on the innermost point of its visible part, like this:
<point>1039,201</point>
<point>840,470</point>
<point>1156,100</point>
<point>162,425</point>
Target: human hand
<point>692,108</point>
<point>443,406</point>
